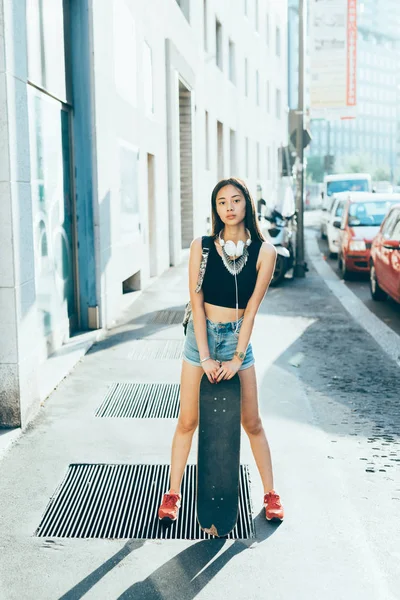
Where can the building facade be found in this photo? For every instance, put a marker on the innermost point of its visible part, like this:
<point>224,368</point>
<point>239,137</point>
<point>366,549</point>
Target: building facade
<point>116,121</point>
<point>370,141</point>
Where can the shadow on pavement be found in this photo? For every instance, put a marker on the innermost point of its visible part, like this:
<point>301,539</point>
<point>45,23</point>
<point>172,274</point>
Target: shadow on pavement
<point>79,590</point>
<point>182,577</point>
<point>185,575</point>
<point>143,327</point>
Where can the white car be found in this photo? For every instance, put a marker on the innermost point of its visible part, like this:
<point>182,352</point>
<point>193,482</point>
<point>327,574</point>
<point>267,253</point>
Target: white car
<point>331,216</point>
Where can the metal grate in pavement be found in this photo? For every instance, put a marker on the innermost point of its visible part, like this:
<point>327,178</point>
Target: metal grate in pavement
<point>141,401</point>
<point>121,501</point>
<point>155,349</point>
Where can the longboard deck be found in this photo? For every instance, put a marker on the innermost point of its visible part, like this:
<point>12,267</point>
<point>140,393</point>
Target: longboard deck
<point>218,458</point>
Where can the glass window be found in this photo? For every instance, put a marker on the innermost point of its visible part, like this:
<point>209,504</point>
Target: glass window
<point>278,104</point>
<point>232,144</point>
<point>364,214</point>
<point>46,51</point>
<point>148,78</point>
<point>339,208</point>
<point>396,231</point>
<point>278,41</point>
<point>207,141</point>
<point>389,224</point>
<point>205,29</point>
<point>345,185</point>
<point>258,88</point>
<point>218,42</point>
<point>256,8</point>
<point>125,61</point>
<point>232,66</point>
<point>52,207</point>
<point>247,156</point>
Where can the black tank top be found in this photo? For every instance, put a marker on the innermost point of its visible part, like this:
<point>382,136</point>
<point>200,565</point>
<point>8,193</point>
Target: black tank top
<point>219,284</point>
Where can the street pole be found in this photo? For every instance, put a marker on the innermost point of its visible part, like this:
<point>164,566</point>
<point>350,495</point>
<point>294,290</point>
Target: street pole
<point>300,266</point>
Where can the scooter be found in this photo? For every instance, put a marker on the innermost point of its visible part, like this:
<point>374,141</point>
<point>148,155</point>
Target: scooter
<point>279,233</point>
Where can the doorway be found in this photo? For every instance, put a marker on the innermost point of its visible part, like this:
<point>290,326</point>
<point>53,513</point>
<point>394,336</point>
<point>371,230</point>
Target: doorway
<point>186,164</point>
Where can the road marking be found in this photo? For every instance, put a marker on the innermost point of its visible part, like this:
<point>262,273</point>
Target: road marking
<point>386,337</point>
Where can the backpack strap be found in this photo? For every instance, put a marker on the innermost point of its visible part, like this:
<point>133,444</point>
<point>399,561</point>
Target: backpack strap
<point>206,241</point>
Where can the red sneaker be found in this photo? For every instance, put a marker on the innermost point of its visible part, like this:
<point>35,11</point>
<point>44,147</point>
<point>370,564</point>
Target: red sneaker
<point>273,506</point>
<point>169,508</point>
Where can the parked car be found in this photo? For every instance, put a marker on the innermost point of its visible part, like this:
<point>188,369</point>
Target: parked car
<point>345,182</point>
<point>384,261</point>
<point>328,219</point>
<point>362,217</point>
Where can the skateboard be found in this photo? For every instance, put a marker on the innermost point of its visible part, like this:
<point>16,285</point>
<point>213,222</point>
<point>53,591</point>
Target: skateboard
<point>218,457</point>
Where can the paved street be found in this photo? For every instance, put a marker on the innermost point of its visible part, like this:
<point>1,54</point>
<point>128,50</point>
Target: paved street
<point>329,397</point>
<point>388,311</point>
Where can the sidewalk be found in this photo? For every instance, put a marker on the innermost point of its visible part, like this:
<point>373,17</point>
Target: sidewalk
<point>329,397</point>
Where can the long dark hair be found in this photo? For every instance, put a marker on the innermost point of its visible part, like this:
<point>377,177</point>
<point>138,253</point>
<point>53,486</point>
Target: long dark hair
<point>250,220</point>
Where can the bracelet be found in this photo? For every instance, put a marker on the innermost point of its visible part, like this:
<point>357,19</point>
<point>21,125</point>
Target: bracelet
<point>204,359</point>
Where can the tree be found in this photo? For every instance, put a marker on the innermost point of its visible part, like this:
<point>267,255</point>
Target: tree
<point>315,168</point>
<point>381,174</point>
<point>354,164</point>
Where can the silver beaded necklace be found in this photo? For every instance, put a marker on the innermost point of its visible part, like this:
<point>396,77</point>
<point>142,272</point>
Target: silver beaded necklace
<point>234,267</point>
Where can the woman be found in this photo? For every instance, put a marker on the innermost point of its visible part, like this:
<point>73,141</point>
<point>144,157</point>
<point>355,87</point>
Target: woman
<point>232,291</point>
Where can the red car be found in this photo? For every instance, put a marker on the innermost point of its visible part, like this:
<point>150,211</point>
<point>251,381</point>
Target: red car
<point>385,258</point>
<point>362,216</point>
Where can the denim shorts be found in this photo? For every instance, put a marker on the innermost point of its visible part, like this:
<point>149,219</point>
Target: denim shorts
<point>222,343</point>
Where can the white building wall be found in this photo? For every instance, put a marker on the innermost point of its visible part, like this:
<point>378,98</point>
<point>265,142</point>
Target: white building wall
<point>18,317</point>
<point>133,116</point>
<point>122,117</point>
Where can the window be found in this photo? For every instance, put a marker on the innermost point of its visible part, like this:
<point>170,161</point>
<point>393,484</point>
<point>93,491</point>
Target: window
<point>339,208</point>
<point>246,145</point>
<point>246,77</point>
<point>46,52</point>
<point>389,225</point>
<point>258,88</point>
<point>278,41</point>
<point>232,149</point>
<point>232,70</point>
<point>396,231</point>
<point>218,43</point>
<point>257,24</point>
<point>268,163</point>
<point>268,98</point>
<point>278,104</point>
<point>148,78</point>
<point>205,30</point>
<point>207,140</point>
<point>220,150</point>
<point>258,160</point>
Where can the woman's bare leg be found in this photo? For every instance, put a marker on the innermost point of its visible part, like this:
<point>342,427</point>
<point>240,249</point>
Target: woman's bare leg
<point>252,424</point>
<point>187,423</point>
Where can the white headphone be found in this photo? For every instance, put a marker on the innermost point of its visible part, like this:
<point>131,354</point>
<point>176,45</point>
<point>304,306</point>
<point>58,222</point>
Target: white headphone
<point>233,249</point>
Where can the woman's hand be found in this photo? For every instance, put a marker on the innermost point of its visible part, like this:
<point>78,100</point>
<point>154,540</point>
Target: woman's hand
<point>228,369</point>
<point>211,368</point>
